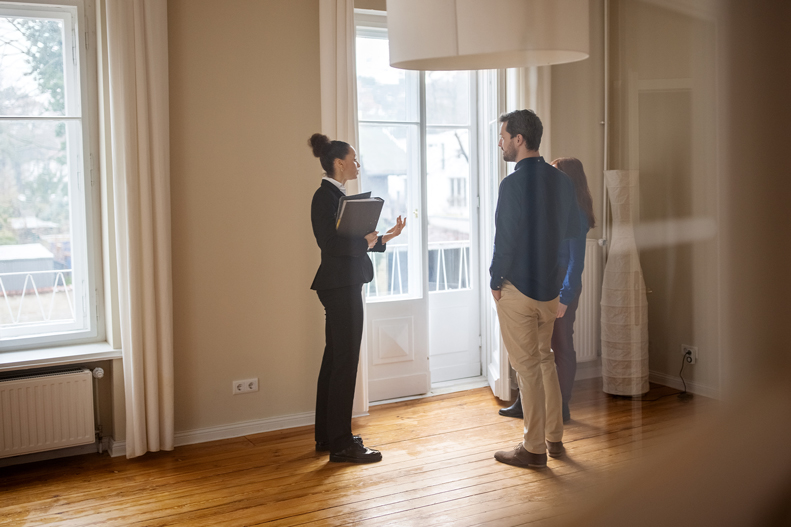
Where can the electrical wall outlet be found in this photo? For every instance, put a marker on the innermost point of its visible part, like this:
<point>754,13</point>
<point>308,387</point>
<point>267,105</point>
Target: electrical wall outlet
<point>690,354</point>
<point>245,386</point>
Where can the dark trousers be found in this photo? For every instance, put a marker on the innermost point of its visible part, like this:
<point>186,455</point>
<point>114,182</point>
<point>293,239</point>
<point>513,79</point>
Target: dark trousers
<point>563,347</point>
<point>343,309</point>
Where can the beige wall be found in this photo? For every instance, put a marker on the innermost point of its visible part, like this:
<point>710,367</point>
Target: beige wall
<point>578,111</point>
<point>667,135</point>
<point>662,104</point>
<point>244,98</point>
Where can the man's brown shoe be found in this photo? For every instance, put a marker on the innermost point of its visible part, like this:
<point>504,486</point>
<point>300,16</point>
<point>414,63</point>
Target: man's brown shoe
<point>555,448</point>
<point>519,457</point>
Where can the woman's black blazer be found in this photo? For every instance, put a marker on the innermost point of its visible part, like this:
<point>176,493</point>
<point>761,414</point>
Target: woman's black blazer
<point>344,261</point>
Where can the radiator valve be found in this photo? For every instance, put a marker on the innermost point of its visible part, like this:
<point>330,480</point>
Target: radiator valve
<point>98,373</point>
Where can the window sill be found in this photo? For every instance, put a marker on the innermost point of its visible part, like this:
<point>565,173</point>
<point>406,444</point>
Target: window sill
<point>38,358</point>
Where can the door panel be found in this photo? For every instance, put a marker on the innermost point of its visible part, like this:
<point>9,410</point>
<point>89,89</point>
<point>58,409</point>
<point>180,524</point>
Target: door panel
<point>397,348</point>
<point>454,335</point>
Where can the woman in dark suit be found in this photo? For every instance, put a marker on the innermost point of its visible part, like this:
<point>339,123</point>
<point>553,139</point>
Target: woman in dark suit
<point>345,267</point>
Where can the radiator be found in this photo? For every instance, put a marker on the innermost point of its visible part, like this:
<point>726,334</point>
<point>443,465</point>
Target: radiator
<point>586,326</point>
<point>45,412</point>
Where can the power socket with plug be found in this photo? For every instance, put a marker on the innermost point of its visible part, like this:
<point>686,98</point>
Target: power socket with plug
<point>690,354</point>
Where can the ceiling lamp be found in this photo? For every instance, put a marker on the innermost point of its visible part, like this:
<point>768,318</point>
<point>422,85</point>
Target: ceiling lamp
<point>486,34</point>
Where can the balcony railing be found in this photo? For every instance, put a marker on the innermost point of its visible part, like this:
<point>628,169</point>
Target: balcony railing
<point>20,313</point>
<point>448,269</point>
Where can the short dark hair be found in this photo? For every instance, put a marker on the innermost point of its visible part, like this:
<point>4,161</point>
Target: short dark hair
<point>328,151</point>
<point>525,123</point>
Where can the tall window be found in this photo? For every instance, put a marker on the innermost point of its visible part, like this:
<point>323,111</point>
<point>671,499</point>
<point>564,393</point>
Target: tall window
<point>47,292</point>
<point>416,126</point>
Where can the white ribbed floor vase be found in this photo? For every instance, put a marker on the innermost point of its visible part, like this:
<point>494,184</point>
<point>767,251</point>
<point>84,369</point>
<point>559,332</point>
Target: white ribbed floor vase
<point>624,307</point>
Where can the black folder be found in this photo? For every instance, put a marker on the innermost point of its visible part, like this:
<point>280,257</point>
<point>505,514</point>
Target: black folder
<point>358,215</point>
<point>363,195</point>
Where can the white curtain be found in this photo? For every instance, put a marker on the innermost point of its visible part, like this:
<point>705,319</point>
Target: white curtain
<point>531,88</point>
<point>339,114</point>
<point>137,53</point>
<point>338,71</point>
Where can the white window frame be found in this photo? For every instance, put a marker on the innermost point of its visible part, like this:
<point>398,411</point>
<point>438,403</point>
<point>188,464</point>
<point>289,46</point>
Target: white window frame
<point>85,199</point>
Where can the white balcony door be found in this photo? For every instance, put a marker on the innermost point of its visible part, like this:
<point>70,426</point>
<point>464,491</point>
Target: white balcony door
<point>416,148</point>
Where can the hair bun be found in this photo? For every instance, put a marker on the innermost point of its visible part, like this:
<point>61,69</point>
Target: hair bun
<point>318,142</point>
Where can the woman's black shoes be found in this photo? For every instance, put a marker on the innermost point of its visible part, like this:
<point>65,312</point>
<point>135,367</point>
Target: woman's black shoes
<point>515,410</point>
<point>357,453</point>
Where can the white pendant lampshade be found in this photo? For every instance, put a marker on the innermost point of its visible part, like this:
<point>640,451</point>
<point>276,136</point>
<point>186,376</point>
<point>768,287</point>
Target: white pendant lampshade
<point>486,34</point>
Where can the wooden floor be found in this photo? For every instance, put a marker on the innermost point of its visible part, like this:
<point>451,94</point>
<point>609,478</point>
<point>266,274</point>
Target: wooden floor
<point>438,469</point>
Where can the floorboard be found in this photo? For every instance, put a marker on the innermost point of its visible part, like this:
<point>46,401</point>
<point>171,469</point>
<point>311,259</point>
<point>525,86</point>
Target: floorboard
<point>438,469</point>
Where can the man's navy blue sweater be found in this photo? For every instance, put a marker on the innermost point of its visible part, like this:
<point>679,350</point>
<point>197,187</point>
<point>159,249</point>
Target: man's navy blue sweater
<point>536,210</point>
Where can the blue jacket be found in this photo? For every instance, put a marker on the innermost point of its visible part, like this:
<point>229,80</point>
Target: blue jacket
<point>571,260</point>
<point>536,210</point>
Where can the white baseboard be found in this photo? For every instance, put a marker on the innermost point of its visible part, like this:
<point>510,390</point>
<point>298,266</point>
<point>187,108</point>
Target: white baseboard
<point>202,435</point>
<point>117,448</point>
<point>674,381</point>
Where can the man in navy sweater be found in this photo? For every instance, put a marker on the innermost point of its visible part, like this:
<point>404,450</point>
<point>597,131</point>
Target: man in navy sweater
<point>536,210</point>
